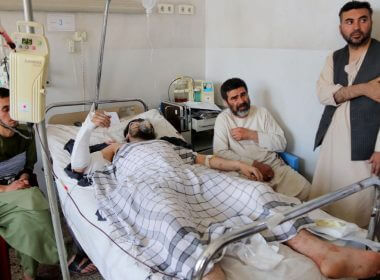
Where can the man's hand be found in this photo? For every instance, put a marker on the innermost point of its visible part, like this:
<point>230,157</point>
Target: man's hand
<point>375,161</point>
<point>265,169</point>
<point>251,172</point>
<point>17,185</point>
<point>373,89</point>
<point>241,133</point>
<point>101,119</point>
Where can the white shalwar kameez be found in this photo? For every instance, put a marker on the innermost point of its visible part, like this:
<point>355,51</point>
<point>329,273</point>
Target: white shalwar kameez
<point>271,139</point>
<point>335,169</point>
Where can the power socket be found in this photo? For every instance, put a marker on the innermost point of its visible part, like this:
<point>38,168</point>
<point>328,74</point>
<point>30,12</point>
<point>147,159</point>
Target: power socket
<point>165,8</point>
<point>80,36</point>
<point>185,9</point>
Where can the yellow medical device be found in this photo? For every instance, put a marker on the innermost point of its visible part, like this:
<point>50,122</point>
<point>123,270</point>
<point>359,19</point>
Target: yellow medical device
<point>28,73</point>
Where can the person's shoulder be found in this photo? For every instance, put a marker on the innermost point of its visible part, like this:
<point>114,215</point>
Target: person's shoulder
<point>223,114</point>
<point>259,110</point>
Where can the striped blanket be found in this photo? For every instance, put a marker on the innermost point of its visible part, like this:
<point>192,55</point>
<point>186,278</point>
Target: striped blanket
<point>166,209</point>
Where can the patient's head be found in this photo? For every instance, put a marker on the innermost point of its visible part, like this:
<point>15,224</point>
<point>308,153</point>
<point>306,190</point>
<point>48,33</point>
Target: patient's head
<point>235,93</point>
<point>139,130</point>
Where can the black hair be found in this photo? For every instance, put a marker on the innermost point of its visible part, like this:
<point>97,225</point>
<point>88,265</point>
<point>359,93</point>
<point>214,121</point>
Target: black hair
<point>4,92</point>
<point>355,5</point>
<point>231,84</point>
<point>145,135</point>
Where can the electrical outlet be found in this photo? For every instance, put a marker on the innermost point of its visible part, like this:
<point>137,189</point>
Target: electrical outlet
<point>186,9</point>
<point>80,36</point>
<point>165,8</point>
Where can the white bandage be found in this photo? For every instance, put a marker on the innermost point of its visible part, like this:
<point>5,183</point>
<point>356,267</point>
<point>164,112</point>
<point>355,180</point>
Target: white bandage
<point>80,157</point>
<point>207,160</point>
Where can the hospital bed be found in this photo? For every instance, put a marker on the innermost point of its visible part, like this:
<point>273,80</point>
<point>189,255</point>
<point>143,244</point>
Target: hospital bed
<point>79,207</point>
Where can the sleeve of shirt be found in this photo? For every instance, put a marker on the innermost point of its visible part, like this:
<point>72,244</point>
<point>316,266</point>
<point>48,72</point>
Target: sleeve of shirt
<point>31,155</point>
<point>325,85</point>
<point>272,138</point>
<point>377,146</point>
<point>221,145</point>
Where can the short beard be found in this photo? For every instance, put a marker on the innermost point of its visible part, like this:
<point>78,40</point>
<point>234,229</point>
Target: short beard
<point>241,113</point>
<point>362,42</point>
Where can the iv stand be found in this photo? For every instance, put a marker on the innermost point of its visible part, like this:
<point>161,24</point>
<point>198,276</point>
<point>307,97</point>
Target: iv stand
<point>52,194</point>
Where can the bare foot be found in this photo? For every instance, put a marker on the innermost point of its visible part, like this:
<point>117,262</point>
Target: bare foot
<point>215,274</point>
<point>334,261</point>
<point>342,262</point>
<point>81,266</point>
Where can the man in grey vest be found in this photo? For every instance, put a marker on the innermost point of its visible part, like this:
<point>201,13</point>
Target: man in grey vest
<point>349,87</point>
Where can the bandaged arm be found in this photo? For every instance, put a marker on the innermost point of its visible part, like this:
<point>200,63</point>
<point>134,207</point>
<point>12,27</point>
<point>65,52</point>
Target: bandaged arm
<point>81,159</point>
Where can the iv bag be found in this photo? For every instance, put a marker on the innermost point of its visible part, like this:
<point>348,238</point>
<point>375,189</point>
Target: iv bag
<point>148,5</point>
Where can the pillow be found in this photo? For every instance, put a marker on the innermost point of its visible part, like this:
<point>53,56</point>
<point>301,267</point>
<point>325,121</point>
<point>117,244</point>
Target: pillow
<point>161,126</point>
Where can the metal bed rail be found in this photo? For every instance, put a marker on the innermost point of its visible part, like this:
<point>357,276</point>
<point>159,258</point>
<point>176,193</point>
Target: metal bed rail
<point>97,102</point>
<point>215,246</point>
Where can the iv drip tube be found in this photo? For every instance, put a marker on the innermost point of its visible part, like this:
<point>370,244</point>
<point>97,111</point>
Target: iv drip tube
<point>101,51</point>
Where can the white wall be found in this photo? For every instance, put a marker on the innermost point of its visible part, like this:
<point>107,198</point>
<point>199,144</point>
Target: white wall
<point>278,47</point>
<point>133,67</point>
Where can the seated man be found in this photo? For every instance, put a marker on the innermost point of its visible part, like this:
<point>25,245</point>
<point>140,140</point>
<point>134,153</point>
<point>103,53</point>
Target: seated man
<point>165,203</point>
<point>250,134</point>
<point>25,221</point>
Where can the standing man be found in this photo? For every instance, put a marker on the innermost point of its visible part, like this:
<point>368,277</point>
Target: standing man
<point>348,132</point>
<point>25,221</point>
<point>250,134</point>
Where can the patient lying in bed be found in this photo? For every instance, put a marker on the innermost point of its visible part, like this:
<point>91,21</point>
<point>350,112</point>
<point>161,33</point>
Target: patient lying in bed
<point>166,203</point>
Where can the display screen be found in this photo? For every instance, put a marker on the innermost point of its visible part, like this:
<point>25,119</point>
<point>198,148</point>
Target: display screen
<point>26,41</point>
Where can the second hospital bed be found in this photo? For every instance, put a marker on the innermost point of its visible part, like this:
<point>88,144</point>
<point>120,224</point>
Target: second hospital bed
<point>79,207</point>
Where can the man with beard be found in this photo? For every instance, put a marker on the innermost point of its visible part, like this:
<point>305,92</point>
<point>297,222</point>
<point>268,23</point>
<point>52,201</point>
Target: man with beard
<point>348,132</point>
<point>250,134</point>
<point>25,221</point>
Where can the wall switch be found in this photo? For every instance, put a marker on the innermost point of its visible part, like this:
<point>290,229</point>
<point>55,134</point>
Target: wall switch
<point>186,9</point>
<point>165,8</point>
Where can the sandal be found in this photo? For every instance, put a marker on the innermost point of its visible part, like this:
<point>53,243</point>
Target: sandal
<point>80,264</point>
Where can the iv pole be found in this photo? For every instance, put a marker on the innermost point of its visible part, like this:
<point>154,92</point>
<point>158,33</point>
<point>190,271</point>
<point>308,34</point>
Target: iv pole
<point>52,194</point>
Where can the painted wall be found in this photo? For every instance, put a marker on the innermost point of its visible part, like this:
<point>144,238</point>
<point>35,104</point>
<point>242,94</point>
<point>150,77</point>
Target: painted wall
<point>279,48</point>
<point>140,58</point>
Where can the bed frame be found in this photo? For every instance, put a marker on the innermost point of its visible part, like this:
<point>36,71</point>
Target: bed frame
<point>245,231</point>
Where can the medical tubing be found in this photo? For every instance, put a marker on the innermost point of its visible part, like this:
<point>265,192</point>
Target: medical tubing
<point>8,39</point>
<point>101,51</point>
<point>15,130</point>
<point>148,37</point>
<point>114,242</point>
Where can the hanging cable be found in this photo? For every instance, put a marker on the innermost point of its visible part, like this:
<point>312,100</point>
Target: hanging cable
<point>15,130</point>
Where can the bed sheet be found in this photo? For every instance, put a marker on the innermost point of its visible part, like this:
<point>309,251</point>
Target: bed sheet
<point>79,207</point>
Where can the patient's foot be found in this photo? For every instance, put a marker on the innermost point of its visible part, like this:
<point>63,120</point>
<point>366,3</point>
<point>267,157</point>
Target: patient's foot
<point>342,262</point>
<point>334,261</point>
<point>215,274</point>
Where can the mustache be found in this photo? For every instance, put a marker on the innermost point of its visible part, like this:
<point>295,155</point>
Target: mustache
<point>356,33</point>
<point>243,106</point>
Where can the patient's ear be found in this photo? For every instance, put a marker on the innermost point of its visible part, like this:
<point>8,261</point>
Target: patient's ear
<point>225,104</point>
